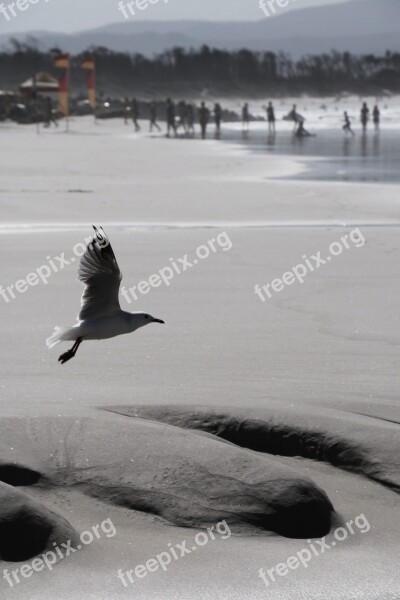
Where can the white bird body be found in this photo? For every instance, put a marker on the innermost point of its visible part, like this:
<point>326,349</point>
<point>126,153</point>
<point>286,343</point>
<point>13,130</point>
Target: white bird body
<point>101,317</point>
<point>101,328</point>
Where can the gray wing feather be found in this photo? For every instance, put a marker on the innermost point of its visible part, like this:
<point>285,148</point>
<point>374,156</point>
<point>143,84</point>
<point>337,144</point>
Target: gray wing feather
<point>100,273</point>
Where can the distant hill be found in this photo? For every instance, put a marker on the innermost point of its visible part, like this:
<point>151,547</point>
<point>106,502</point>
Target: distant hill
<point>359,26</point>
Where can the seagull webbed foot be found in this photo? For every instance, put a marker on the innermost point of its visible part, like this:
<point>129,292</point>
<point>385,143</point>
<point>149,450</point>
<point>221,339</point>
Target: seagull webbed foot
<point>66,357</point>
<point>71,353</point>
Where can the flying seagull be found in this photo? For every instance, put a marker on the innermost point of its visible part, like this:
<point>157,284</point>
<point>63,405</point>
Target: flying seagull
<point>101,316</point>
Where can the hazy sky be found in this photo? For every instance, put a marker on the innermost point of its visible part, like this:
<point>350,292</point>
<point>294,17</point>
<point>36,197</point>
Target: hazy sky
<point>75,15</point>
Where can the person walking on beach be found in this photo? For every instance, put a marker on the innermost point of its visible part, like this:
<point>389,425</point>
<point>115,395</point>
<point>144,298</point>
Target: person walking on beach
<point>49,114</point>
<point>271,117</point>
<point>245,118</point>
<point>170,117</point>
<point>347,124</point>
<point>153,116</point>
<point>217,118</point>
<point>204,115</point>
<point>135,114</point>
<point>377,117</point>
<point>190,119</point>
<point>127,110</point>
<point>364,116</point>
<point>182,116</point>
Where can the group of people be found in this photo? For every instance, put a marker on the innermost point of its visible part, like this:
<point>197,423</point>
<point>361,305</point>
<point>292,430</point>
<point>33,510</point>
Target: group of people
<point>365,117</point>
<point>181,117</point>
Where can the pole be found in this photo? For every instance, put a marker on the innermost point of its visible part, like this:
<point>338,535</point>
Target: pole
<point>37,121</point>
<point>67,120</point>
<point>94,88</point>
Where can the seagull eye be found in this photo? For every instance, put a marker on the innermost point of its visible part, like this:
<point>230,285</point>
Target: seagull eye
<point>147,316</point>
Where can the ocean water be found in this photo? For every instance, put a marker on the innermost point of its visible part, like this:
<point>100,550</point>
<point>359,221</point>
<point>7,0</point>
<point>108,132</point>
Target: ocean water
<point>373,157</point>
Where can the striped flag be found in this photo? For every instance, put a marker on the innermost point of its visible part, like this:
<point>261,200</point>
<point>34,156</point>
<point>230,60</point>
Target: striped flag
<point>89,64</point>
<point>61,61</point>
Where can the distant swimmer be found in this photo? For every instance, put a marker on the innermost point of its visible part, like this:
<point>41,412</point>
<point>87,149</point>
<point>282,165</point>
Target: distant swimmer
<point>347,124</point>
<point>153,117</point>
<point>377,117</point>
<point>271,117</point>
<point>245,117</point>
<point>204,115</point>
<point>135,114</point>
<point>217,118</point>
<point>364,116</point>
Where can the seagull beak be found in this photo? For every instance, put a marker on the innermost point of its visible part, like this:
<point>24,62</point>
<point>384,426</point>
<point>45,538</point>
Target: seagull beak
<point>159,321</point>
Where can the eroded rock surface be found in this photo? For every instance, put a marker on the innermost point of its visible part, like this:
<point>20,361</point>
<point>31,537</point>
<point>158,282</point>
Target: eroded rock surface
<point>188,479</point>
<point>360,443</point>
<point>28,528</point>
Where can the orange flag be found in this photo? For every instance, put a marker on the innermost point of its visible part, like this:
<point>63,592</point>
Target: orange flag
<point>89,64</point>
<point>62,62</point>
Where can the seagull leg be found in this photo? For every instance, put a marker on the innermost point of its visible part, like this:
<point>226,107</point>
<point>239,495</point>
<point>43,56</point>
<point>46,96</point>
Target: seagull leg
<point>71,353</point>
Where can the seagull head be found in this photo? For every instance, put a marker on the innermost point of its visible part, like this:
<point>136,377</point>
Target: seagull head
<point>143,319</point>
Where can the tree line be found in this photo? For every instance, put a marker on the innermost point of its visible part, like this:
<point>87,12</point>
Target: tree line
<point>219,71</point>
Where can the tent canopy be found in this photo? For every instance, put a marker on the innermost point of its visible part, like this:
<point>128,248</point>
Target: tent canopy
<point>44,83</point>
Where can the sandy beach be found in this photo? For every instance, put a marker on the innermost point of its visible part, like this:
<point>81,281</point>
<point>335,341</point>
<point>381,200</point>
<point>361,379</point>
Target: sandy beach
<point>317,360</point>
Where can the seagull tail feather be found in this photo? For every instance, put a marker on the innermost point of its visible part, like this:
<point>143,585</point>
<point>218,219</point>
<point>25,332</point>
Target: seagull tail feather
<point>60,334</point>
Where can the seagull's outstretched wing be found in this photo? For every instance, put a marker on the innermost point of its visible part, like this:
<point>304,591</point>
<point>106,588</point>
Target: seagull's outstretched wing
<point>100,273</point>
